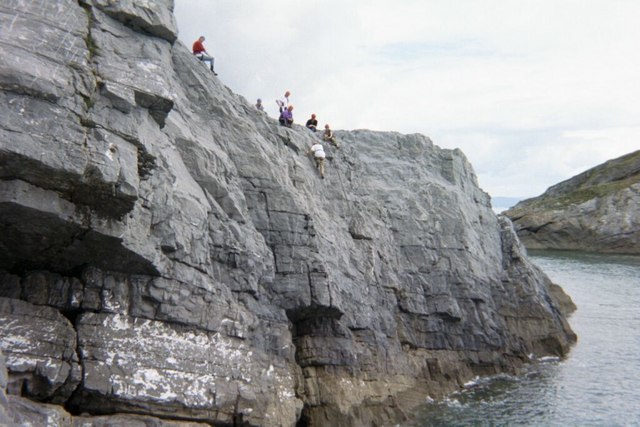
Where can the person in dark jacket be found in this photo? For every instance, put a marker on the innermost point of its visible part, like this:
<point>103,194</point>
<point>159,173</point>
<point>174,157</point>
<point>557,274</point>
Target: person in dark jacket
<point>312,123</point>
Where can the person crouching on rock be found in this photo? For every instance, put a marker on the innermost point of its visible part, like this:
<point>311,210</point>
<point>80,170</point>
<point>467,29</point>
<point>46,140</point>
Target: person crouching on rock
<point>318,154</point>
<point>286,117</point>
<point>329,136</point>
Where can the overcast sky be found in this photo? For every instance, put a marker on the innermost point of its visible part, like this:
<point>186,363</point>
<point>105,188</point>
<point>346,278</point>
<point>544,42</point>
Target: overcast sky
<point>532,91</point>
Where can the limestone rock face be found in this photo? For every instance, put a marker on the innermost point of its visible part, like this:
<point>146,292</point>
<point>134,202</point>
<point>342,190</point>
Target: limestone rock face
<point>170,256</point>
<point>39,344</point>
<point>596,211</point>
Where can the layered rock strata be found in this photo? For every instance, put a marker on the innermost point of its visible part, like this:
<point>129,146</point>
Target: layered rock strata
<point>595,211</point>
<point>170,256</point>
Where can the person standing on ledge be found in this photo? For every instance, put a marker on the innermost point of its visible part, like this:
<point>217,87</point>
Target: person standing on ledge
<point>284,102</point>
<point>201,53</point>
<point>259,105</point>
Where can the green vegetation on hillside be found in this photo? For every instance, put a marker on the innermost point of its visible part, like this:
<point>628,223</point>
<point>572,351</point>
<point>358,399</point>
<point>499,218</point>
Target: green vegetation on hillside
<point>600,181</point>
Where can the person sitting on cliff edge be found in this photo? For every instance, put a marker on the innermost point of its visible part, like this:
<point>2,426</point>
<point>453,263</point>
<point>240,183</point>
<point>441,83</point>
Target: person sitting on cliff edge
<point>312,123</point>
<point>286,117</point>
<point>201,53</point>
<point>329,136</point>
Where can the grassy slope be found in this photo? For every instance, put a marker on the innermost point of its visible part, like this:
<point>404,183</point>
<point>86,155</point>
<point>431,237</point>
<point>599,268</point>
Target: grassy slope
<point>602,180</point>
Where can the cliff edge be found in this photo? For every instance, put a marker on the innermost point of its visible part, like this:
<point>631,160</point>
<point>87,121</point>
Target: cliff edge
<point>170,257</point>
<point>595,211</point>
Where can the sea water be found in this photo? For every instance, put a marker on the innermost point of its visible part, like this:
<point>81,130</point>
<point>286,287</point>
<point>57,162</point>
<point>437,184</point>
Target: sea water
<point>598,384</point>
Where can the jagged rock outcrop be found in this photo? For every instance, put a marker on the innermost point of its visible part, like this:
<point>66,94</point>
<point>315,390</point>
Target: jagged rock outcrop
<point>169,255</point>
<point>595,211</point>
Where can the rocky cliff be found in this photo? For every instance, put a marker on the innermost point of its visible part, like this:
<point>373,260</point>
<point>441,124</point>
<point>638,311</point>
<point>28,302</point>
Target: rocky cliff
<point>595,211</point>
<point>169,255</point>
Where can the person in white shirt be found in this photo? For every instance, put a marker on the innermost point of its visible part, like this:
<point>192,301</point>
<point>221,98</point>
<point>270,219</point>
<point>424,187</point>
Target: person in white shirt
<point>284,102</point>
<point>318,154</point>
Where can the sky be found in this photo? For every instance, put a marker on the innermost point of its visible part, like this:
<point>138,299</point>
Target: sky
<point>532,91</point>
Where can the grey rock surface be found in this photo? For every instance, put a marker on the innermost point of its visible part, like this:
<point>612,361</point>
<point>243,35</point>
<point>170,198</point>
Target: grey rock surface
<point>40,349</point>
<point>183,262</point>
<point>5,410</point>
<point>25,413</point>
<point>595,211</point>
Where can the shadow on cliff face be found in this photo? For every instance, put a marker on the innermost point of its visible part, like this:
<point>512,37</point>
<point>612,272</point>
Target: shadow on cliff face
<point>37,239</point>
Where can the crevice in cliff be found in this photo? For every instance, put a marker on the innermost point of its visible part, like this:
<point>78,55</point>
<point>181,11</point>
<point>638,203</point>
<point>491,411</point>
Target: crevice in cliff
<point>189,265</point>
<point>147,417</point>
<point>146,161</point>
<point>158,107</point>
<point>29,91</point>
<point>535,229</point>
<point>72,315</point>
<point>92,48</point>
<point>357,236</point>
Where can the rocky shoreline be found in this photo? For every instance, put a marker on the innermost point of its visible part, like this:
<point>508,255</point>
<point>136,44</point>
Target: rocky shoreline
<point>595,211</point>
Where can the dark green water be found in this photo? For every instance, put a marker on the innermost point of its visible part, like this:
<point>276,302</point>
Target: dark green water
<point>597,385</point>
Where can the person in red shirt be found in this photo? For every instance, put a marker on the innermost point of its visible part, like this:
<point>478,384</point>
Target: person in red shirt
<point>202,54</point>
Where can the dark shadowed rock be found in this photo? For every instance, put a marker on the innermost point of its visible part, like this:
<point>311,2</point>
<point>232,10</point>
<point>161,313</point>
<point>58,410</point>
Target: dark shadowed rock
<point>170,252</point>
<point>596,211</point>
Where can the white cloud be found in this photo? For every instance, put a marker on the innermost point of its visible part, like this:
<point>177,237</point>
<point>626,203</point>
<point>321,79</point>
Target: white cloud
<point>533,91</point>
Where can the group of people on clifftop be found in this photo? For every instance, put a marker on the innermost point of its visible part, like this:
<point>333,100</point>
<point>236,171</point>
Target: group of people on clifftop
<point>286,119</point>
<point>285,109</point>
<point>328,135</point>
